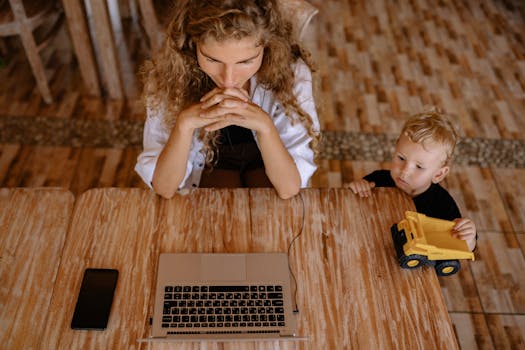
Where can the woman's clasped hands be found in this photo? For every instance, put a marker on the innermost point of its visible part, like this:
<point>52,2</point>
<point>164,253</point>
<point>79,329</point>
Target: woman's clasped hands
<point>220,108</point>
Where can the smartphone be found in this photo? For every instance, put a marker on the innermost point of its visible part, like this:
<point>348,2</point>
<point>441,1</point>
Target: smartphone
<point>95,299</point>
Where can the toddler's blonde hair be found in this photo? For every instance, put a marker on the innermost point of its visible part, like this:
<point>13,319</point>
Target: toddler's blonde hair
<point>434,126</point>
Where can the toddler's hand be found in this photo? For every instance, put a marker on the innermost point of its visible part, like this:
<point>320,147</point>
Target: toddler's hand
<point>465,229</point>
<point>362,187</point>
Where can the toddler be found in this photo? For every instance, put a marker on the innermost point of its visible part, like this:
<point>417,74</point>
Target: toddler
<point>420,161</point>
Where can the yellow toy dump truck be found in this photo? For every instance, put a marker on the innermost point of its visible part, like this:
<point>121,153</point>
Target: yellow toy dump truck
<point>422,240</point>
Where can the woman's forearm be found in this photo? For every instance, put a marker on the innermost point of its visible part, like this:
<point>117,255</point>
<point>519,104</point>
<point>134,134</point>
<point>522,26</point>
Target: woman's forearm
<point>279,164</point>
<point>172,162</point>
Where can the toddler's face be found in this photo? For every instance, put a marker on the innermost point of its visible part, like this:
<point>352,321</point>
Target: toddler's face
<point>415,168</point>
<point>230,63</point>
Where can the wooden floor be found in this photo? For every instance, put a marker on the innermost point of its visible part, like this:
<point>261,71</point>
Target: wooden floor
<point>378,61</point>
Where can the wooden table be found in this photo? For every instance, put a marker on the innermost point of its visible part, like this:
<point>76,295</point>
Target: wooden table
<point>351,292</point>
<point>33,228</point>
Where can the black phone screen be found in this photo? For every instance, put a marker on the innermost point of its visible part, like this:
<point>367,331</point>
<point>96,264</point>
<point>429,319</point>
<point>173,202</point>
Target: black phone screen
<point>95,299</point>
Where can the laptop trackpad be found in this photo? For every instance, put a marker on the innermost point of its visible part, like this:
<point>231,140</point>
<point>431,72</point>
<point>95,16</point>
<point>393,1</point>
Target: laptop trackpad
<point>223,267</point>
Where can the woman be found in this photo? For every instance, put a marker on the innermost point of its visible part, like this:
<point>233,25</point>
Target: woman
<point>229,102</point>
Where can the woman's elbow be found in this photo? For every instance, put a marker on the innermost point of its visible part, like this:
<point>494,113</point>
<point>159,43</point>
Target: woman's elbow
<point>288,189</point>
<point>288,192</point>
<point>163,191</point>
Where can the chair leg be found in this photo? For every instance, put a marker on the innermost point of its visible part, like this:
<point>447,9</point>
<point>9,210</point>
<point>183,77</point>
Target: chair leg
<point>28,41</point>
<point>151,24</point>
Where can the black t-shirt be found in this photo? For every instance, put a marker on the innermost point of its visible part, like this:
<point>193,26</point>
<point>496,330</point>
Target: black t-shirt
<point>235,135</point>
<point>435,202</point>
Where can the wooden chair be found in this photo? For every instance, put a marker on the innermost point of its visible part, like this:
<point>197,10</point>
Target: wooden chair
<point>300,13</point>
<point>152,25</point>
<point>18,17</point>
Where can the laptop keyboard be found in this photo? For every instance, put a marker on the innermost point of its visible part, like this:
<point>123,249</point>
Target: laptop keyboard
<point>217,307</point>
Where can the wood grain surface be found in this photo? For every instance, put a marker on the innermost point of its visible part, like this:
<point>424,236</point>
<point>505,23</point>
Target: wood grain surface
<point>109,229</point>
<point>378,61</point>
<point>350,291</point>
<point>33,228</point>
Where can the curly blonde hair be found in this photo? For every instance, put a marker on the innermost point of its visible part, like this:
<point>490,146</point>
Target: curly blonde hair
<point>432,125</point>
<point>173,79</point>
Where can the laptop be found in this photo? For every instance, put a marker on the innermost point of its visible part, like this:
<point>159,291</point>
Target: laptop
<point>223,297</point>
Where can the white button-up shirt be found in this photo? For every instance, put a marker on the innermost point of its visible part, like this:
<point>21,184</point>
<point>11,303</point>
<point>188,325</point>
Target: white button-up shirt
<point>294,137</point>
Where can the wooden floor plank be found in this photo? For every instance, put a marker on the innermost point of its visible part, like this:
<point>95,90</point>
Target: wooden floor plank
<point>472,330</point>
<point>75,169</point>
<point>476,192</point>
<point>7,155</point>
<point>507,331</point>
<point>461,291</point>
<point>511,186</point>
<point>499,273</point>
<point>449,55</point>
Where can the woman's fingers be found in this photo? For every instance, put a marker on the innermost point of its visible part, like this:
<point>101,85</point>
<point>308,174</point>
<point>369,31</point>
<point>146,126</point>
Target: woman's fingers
<point>228,106</point>
<point>217,95</point>
<point>224,121</point>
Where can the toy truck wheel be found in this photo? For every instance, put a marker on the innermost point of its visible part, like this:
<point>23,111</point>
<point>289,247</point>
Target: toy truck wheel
<point>412,261</point>
<point>447,267</point>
